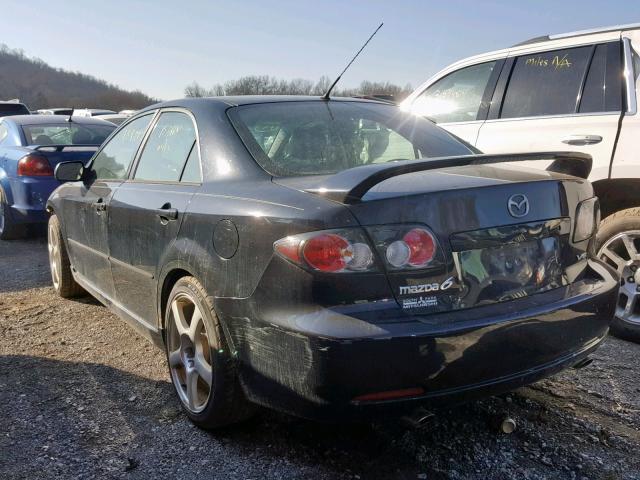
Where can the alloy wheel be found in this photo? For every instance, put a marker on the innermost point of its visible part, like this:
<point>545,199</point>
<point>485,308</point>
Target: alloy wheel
<point>622,252</point>
<point>189,353</point>
<point>53,245</point>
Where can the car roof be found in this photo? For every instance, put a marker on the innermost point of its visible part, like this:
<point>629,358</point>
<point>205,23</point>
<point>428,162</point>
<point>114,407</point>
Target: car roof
<point>51,120</point>
<point>234,101</point>
<point>578,33</point>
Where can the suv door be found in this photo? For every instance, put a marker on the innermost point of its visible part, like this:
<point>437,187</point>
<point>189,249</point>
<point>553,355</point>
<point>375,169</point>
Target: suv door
<point>147,210</point>
<point>459,101</point>
<point>567,99</point>
<point>85,205</point>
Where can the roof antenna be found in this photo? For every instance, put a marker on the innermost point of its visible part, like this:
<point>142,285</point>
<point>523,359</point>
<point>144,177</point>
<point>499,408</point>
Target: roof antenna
<point>71,114</point>
<point>326,95</point>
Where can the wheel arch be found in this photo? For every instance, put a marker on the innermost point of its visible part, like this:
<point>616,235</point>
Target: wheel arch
<point>171,274</point>
<point>617,194</point>
<point>5,186</point>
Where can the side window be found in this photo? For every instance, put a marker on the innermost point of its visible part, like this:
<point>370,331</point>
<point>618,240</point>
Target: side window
<point>192,168</point>
<point>167,148</point>
<point>603,88</point>
<point>114,159</point>
<point>546,83</point>
<point>456,97</point>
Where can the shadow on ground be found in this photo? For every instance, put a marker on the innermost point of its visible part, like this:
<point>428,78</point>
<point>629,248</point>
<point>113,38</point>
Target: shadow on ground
<point>68,419</point>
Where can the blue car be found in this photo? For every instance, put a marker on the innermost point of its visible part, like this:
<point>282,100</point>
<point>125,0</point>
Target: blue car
<point>30,148</point>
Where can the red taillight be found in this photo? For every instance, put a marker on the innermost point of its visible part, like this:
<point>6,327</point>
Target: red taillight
<point>421,246</point>
<point>416,249</point>
<point>34,166</point>
<point>330,251</point>
<point>327,252</point>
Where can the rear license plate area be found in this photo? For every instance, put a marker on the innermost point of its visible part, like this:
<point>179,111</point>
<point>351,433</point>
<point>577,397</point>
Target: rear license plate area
<point>510,271</point>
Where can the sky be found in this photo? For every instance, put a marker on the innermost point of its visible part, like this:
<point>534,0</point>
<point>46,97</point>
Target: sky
<point>159,46</point>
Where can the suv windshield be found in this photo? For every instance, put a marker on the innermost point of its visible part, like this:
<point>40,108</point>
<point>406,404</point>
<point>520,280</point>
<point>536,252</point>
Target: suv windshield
<point>67,134</point>
<point>311,138</point>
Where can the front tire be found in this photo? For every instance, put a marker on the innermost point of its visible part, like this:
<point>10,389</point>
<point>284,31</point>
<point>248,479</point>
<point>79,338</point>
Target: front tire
<point>59,264</point>
<point>618,244</point>
<point>201,366</point>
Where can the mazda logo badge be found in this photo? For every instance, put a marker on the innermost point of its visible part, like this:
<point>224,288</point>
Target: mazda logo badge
<point>518,205</point>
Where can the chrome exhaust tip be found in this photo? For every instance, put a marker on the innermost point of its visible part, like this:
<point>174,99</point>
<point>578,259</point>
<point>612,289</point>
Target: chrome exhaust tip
<point>585,362</point>
<point>418,418</point>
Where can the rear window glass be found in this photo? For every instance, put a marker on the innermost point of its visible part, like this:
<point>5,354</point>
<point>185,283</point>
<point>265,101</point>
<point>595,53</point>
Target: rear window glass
<point>68,133</point>
<point>546,83</point>
<point>309,138</point>
<point>13,109</point>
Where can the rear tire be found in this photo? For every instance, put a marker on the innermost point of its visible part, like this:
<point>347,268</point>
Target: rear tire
<point>63,282</point>
<point>618,244</point>
<point>201,366</point>
<point>9,230</point>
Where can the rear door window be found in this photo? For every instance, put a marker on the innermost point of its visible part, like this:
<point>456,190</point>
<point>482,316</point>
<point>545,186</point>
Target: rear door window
<point>456,97</point>
<point>114,159</point>
<point>191,171</point>
<point>546,83</point>
<point>603,87</point>
<point>166,151</point>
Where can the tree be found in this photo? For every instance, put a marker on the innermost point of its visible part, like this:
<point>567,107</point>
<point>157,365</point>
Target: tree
<point>195,90</point>
<point>266,85</point>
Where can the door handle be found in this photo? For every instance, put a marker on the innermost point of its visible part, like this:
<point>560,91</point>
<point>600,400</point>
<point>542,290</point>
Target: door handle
<point>99,206</point>
<point>582,139</point>
<point>166,213</point>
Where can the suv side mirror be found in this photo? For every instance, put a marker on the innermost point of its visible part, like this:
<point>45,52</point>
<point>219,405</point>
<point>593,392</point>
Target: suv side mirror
<point>69,171</point>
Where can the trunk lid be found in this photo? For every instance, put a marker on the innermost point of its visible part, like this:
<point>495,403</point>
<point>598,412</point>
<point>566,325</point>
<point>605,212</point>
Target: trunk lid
<point>57,154</point>
<point>490,255</point>
<point>493,248</point>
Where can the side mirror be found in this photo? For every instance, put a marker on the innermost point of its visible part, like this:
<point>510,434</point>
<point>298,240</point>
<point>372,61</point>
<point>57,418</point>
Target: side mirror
<point>69,171</point>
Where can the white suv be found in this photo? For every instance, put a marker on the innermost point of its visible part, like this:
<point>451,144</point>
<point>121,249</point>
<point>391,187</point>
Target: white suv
<point>575,91</point>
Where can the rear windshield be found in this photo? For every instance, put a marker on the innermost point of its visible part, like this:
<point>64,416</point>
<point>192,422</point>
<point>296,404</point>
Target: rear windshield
<point>66,134</point>
<point>7,109</point>
<point>311,138</point>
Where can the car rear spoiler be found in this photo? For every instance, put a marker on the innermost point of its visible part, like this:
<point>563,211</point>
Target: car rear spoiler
<point>59,148</point>
<point>349,186</point>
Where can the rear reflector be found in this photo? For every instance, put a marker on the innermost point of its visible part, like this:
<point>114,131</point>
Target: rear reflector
<point>34,165</point>
<point>390,395</point>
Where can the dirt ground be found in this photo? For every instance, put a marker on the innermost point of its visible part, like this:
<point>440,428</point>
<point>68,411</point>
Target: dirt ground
<point>83,396</point>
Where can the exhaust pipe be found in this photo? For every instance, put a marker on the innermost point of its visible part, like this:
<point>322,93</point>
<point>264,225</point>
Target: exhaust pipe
<point>583,363</point>
<point>418,418</point>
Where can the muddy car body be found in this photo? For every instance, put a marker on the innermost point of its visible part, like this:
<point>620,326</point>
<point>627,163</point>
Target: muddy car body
<point>331,283</point>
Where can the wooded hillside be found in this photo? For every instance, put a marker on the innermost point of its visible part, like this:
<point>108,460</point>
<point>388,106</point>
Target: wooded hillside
<point>39,85</point>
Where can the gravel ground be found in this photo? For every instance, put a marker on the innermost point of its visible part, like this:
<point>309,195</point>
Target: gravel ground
<point>83,396</point>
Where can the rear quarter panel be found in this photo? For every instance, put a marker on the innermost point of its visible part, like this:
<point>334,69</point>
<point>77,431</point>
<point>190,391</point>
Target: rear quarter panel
<point>261,213</point>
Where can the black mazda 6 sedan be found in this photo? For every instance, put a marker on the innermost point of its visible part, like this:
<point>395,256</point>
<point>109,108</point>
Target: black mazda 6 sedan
<point>331,258</point>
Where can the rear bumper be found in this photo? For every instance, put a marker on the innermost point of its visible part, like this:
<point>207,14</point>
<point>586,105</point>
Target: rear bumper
<point>28,198</point>
<point>318,361</point>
